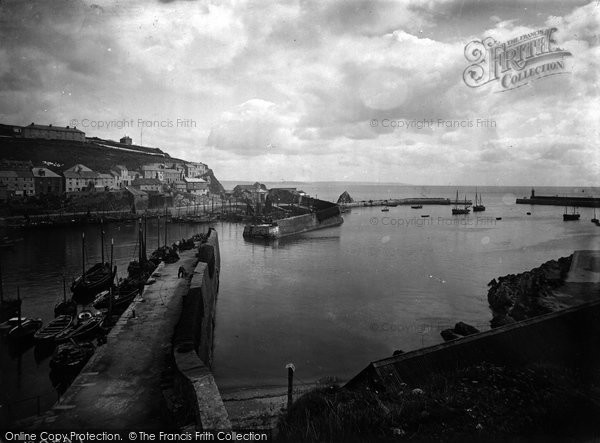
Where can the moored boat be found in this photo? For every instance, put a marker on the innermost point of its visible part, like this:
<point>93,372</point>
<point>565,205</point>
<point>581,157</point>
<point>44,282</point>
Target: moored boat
<point>94,280</point>
<point>71,356</point>
<point>121,298</point>
<point>9,324</point>
<point>65,307</point>
<point>85,328</point>
<point>416,206</point>
<point>49,332</point>
<point>478,206</point>
<point>573,216</point>
<point>24,329</point>
<point>458,211</point>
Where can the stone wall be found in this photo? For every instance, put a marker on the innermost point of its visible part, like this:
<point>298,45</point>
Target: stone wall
<point>193,341</point>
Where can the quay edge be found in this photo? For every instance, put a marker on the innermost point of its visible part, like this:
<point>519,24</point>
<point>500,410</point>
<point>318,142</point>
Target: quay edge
<point>293,225</point>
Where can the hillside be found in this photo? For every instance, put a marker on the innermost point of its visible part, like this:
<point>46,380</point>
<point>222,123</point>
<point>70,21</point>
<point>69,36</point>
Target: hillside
<point>97,154</point>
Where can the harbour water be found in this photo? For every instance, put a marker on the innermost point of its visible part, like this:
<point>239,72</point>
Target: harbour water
<point>328,301</point>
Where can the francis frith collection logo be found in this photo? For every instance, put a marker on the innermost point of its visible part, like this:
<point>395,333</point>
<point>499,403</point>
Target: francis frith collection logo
<point>514,63</point>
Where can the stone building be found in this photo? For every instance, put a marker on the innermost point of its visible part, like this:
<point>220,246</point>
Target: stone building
<point>47,182</point>
<point>50,132</point>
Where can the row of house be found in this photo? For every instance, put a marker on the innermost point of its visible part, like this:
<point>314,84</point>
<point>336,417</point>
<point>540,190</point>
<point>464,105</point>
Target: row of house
<point>22,179</point>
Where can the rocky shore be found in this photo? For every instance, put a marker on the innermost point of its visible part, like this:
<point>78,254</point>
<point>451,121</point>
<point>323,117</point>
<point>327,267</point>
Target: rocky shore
<point>515,297</point>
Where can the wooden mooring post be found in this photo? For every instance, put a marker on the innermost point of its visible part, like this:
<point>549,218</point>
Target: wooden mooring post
<point>291,368</point>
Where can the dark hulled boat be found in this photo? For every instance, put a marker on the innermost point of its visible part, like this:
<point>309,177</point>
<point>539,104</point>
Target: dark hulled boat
<point>71,357</point>
<point>25,327</point>
<point>9,307</point>
<point>65,307</point>
<point>94,280</point>
<point>573,216</point>
<point>49,332</point>
<point>458,211</point>
<point>121,298</point>
<point>478,206</point>
<point>85,328</point>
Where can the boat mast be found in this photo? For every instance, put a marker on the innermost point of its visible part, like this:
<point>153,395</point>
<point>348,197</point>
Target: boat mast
<point>83,254</point>
<point>112,250</point>
<point>102,240</point>
<point>140,241</point>
<point>2,289</point>
<point>166,226</point>
<point>19,307</point>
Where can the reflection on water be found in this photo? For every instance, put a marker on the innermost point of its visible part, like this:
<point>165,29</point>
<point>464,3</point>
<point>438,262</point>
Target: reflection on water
<point>329,301</point>
<point>37,266</point>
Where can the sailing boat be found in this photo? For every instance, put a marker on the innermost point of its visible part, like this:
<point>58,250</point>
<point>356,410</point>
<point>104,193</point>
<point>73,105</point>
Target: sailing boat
<point>25,327</point>
<point>65,307</point>
<point>595,220</point>
<point>571,217</point>
<point>94,280</point>
<point>8,306</point>
<point>478,206</point>
<point>456,210</point>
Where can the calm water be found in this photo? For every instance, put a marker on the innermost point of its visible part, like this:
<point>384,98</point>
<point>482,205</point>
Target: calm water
<point>329,301</point>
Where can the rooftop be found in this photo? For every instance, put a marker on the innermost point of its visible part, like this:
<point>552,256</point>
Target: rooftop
<point>44,172</point>
<point>53,128</point>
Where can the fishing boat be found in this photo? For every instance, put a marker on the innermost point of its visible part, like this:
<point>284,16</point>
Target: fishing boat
<point>10,323</point>
<point>65,307</point>
<point>416,206</point>
<point>424,215</point>
<point>94,280</point>
<point>49,332</point>
<point>9,307</point>
<point>456,210</point>
<point>478,206</point>
<point>71,356</point>
<point>573,216</point>
<point>386,209</point>
<point>118,298</point>
<point>24,328</point>
<point>85,328</point>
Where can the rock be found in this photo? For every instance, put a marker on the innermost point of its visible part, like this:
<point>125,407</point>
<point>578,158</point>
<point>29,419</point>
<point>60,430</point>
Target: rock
<point>528,294</point>
<point>449,334</point>
<point>345,198</point>
<point>462,328</point>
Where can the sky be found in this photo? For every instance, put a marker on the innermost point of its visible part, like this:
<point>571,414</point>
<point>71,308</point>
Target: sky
<point>309,91</point>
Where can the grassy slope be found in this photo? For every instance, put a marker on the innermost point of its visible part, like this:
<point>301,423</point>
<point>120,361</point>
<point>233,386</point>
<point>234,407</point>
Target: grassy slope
<point>69,153</point>
<point>481,403</point>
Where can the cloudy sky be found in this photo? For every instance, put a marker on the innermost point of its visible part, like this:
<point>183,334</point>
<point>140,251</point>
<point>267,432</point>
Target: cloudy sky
<point>302,90</point>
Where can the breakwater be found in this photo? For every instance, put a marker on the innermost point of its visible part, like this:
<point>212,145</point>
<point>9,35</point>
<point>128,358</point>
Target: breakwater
<point>585,202</point>
<point>406,202</point>
<point>130,381</point>
<point>556,200</point>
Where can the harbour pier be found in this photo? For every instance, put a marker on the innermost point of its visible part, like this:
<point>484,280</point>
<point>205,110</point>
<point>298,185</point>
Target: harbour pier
<point>132,381</point>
